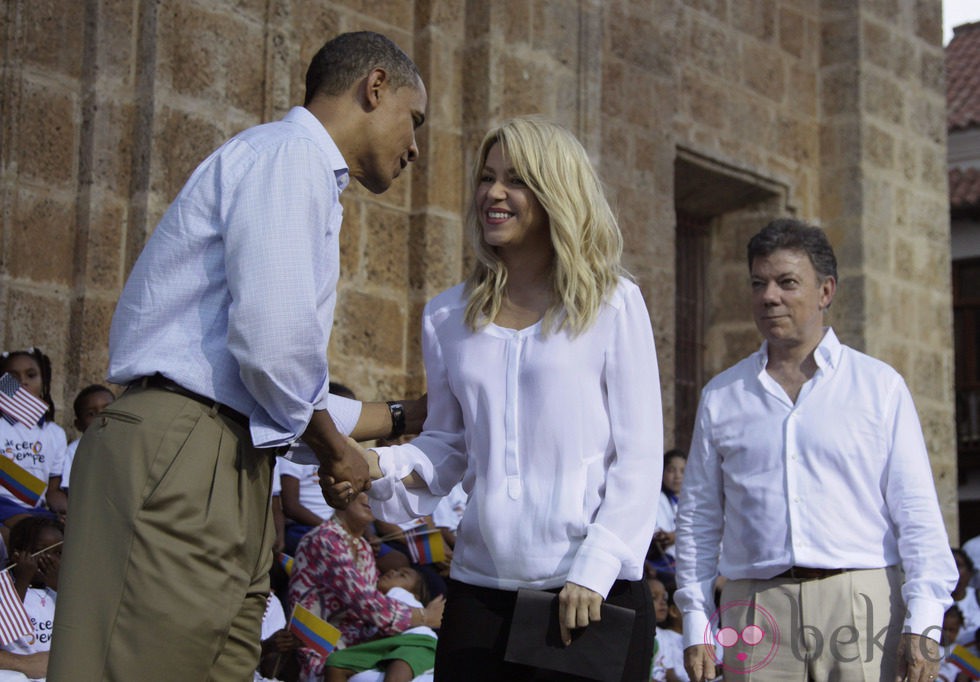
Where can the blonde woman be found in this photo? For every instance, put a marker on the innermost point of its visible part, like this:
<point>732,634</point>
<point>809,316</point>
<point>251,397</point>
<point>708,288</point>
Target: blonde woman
<point>544,400</point>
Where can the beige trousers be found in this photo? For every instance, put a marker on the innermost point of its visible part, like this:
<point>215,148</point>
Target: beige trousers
<point>844,628</point>
<point>168,547</point>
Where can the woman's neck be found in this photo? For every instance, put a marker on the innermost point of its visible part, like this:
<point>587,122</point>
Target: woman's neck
<point>529,287</point>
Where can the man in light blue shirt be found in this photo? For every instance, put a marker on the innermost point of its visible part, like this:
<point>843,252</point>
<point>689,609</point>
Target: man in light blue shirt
<point>221,334</point>
<point>808,487</point>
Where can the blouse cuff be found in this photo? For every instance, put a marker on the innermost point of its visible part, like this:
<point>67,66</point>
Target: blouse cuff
<point>594,569</point>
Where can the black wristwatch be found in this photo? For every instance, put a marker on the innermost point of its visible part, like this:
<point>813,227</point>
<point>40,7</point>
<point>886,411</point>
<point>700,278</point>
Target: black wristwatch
<point>397,419</point>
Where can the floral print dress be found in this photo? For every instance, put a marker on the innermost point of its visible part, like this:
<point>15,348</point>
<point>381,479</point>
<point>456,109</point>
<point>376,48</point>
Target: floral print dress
<point>335,577</point>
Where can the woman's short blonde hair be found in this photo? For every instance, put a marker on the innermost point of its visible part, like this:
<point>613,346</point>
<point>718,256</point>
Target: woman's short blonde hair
<point>585,236</point>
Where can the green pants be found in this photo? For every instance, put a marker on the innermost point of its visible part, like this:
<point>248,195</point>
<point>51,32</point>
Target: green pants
<point>168,547</point>
<point>419,651</point>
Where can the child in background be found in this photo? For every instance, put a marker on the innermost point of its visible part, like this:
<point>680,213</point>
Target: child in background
<point>661,555</point>
<point>949,671</point>
<point>277,660</point>
<point>302,499</point>
<point>402,657</point>
<point>659,594</point>
<point>965,596</point>
<point>671,642</point>
<point>88,403</point>
<point>38,449</point>
<point>36,578</point>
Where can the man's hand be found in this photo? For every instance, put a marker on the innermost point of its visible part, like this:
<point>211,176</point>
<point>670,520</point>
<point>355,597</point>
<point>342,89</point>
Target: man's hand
<point>339,494</point>
<point>338,482</point>
<point>918,659</point>
<point>341,461</point>
<point>577,607</point>
<point>699,662</point>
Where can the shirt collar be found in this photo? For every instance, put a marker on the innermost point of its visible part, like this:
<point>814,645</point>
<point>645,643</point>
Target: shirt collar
<point>827,354</point>
<point>303,117</point>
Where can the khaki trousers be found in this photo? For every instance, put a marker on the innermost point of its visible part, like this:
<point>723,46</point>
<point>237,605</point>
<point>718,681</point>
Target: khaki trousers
<point>168,547</point>
<point>844,628</point>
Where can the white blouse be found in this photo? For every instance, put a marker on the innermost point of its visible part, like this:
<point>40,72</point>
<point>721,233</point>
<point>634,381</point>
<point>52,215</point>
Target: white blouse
<point>558,440</point>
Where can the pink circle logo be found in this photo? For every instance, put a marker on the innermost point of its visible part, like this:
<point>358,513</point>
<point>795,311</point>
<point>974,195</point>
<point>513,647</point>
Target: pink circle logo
<point>760,637</point>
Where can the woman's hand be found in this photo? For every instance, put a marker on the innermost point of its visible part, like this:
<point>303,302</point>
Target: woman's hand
<point>577,607</point>
<point>433,612</point>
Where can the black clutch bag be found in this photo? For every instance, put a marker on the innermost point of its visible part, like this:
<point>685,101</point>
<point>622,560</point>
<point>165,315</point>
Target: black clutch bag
<point>597,652</point>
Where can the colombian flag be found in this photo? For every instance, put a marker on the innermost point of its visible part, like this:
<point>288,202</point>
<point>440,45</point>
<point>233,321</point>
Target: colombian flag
<point>24,485</point>
<point>314,632</point>
<point>425,545</point>
<point>286,562</point>
<point>966,661</point>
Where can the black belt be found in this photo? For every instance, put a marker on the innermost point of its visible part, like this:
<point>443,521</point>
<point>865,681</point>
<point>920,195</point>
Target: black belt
<point>165,384</point>
<point>805,573</point>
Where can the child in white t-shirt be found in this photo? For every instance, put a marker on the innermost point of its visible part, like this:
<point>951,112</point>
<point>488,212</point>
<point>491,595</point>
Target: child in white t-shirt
<point>88,403</point>
<point>35,558</point>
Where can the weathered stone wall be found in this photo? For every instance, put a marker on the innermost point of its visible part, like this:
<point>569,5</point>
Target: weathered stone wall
<point>831,110</point>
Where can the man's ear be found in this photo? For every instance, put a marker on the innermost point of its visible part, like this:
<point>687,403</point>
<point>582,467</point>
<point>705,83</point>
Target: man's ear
<point>828,288</point>
<point>375,83</point>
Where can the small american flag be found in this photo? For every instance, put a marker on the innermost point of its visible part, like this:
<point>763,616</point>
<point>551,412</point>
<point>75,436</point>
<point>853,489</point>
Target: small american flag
<point>14,622</point>
<point>18,403</point>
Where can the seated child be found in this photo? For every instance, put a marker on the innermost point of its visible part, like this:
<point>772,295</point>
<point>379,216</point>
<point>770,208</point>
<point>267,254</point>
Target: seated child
<point>277,659</point>
<point>39,449</point>
<point>88,403</point>
<point>659,594</point>
<point>402,657</point>
<point>661,554</point>
<point>670,640</point>
<point>35,575</point>
<point>302,498</point>
<point>949,671</point>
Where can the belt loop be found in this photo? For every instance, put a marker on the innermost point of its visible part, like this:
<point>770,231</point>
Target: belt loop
<point>213,412</point>
<point>144,381</point>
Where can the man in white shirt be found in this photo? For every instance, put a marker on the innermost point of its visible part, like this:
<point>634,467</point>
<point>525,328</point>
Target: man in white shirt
<point>808,487</point>
<point>221,334</point>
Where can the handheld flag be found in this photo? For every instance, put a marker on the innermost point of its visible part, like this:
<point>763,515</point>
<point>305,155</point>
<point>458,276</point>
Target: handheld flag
<point>18,403</point>
<point>966,661</point>
<point>14,622</point>
<point>286,562</point>
<point>425,545</point>
<point>24,485</point>
<point>314,632</point>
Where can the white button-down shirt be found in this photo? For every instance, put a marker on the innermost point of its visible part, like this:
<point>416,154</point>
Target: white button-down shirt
<point>233,295</point>
<point>558,441</point>
<point>838,479</point>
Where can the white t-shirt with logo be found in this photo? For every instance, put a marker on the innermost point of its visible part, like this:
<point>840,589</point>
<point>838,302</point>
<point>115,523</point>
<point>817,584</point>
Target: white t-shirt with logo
<point>40,450</point>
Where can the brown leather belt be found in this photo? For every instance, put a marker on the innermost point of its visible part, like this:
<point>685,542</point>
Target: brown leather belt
<point>163,383</point>
<point>805,573</point>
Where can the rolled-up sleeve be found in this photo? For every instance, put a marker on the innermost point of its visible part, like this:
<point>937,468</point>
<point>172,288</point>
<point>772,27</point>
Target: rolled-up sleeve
<point>279,245</point>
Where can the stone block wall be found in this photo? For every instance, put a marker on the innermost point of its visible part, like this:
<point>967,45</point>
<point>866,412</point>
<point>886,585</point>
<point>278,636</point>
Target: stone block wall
<point>833,109</point>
